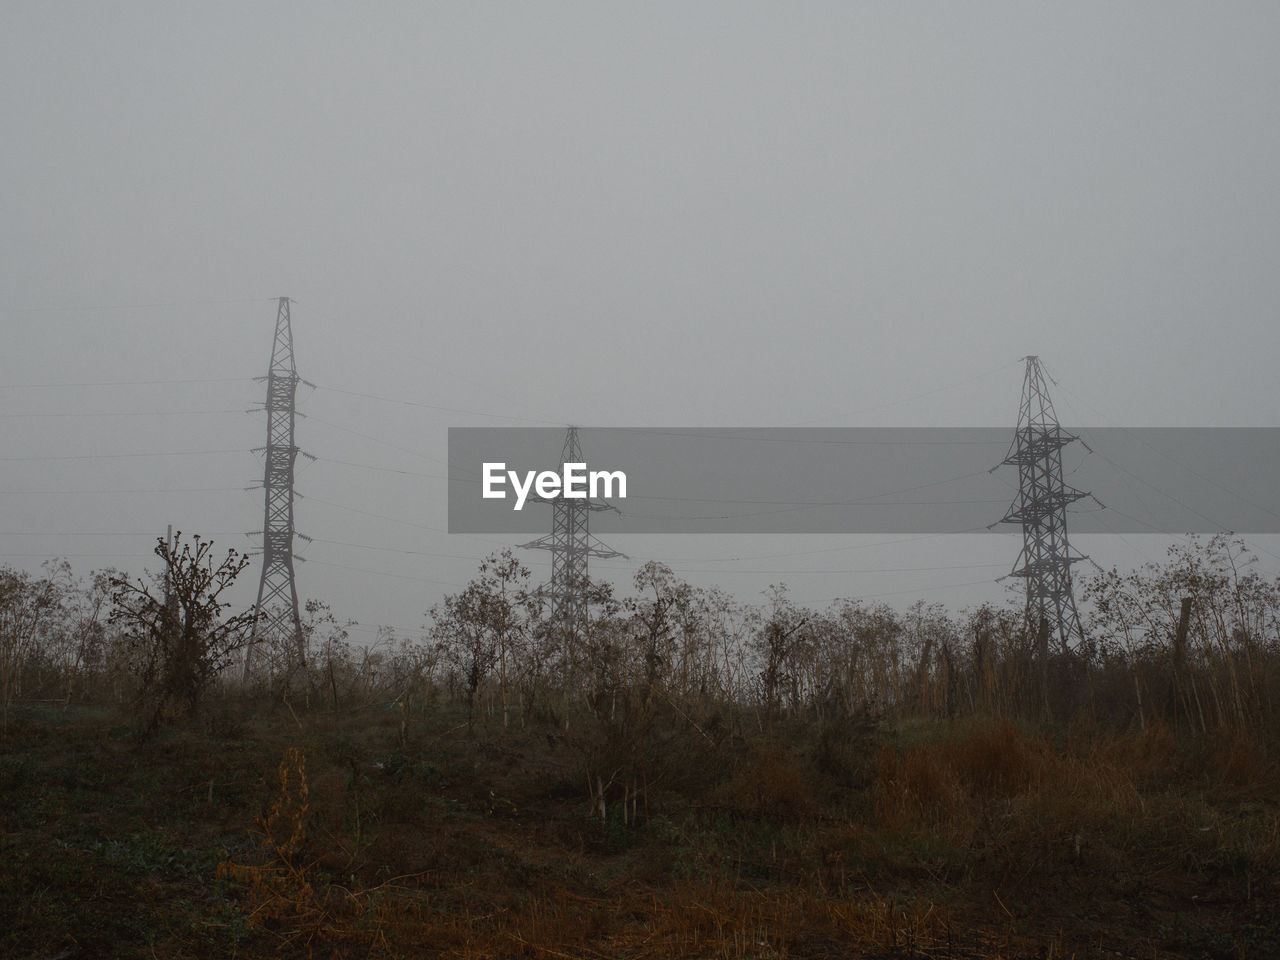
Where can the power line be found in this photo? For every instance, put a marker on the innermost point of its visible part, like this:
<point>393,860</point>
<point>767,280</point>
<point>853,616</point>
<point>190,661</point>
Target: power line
<point>312,418</point>
<point>123,383</point>
<point>981,530</point>
<point>488,387</point>
<point>799,509</point>
<point>1165,494</point>
<point>412,553</point>
<point>175,490</point>
<point>433,406</point>
<point>1138,435</point>
<point>69,556</point>
<point>91,308</point>
<point>400,633</point>
<point>384,573</point>
<point>796,509</point>
<point>1123,539</point>
<point>897,593</point>
<point>369,513</point>
<point>831,442</point>
<point>123,413</point>
<point>107,533</point>
<point>952,566</point>
<point>926,393</point>
<point>868,499</point>
<point>400,520</point>
<point>793,506</point>
<point>370,466</point>
<point>927,589</point>
<point>121,456</point>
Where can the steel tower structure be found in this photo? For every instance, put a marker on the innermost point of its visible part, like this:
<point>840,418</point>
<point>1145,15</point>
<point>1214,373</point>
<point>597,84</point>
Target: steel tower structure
<point>276,612</point>
<point>571,545</point>
<point>1041,509</point>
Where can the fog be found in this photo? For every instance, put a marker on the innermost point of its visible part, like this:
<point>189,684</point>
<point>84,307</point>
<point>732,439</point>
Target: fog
<point>710,215</point>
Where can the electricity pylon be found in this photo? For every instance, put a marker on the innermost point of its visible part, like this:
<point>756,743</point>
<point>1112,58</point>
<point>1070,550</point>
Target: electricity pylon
<point>571,545</point>
<point>276,612</point>
<point>1041,509</point>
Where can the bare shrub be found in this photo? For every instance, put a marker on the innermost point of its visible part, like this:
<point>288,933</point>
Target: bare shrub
<point>176,629</point>
<point>28,608</point>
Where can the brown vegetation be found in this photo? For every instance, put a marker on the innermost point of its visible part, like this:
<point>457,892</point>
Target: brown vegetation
<point>695,778</point>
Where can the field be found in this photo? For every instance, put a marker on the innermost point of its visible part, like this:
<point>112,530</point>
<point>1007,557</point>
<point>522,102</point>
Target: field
<point>261,829</point>
<point>688,777</point>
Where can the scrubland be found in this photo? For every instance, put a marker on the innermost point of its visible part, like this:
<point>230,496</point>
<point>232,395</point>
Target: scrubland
<point>857,783</point>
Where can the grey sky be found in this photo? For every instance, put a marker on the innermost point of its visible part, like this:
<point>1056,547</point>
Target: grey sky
<point>725,214</point>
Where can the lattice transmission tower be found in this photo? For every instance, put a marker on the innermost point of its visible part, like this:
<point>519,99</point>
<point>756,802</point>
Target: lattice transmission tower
<point>1041,508</point>
<point>276,612</point>
<point>571,545</point>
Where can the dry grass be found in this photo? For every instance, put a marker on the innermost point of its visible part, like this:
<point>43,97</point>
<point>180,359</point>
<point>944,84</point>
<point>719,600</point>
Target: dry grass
<point>976,839</point>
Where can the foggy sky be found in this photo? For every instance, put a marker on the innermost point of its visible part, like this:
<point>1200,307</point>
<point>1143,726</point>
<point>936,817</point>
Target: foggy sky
<point>712,214</point>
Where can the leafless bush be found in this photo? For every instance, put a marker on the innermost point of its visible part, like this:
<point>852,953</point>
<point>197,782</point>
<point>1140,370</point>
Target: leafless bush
<point>175,626</point>
<point>1198,636</point>
<point>29,608</point>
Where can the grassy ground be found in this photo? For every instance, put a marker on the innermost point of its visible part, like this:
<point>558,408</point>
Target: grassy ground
<point>418,836</point>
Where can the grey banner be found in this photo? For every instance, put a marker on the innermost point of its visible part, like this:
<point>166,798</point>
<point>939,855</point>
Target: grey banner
<point>869,480</point>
